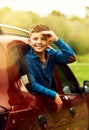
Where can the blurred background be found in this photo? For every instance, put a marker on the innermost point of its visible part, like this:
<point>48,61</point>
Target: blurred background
<point>68,18</point>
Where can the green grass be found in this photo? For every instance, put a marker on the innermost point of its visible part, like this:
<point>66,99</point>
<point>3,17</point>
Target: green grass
<point>81,71</point>
<point>83,58</point>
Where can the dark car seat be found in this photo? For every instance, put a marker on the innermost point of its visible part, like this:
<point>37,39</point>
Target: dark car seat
<point>18,49</point>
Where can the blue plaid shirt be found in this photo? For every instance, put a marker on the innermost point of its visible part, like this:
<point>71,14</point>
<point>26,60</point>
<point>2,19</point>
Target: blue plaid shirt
<point>41,75</point>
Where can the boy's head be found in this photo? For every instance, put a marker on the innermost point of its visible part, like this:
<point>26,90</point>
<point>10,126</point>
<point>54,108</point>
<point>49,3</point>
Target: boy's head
<point>38,28</point>
<point>38,40</point>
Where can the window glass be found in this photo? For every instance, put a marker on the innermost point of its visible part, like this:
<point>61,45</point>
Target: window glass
<point>67,79</point>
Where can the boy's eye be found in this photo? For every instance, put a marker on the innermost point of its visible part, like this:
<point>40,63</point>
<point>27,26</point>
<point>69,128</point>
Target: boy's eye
<point>35,38</point>
<point>44,38</point>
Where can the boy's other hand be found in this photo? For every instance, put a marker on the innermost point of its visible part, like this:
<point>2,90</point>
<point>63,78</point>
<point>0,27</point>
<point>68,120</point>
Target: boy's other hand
<point>58,101</point>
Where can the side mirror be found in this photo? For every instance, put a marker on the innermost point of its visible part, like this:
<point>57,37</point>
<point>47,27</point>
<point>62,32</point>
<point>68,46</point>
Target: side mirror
<point>86,86</point>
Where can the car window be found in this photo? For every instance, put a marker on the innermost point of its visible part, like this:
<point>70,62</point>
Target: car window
<point>67,80</point>
<point>63,77</point>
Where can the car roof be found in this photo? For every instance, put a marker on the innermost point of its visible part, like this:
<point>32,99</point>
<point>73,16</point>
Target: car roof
<point>4,26</point>
<point>9,33</point>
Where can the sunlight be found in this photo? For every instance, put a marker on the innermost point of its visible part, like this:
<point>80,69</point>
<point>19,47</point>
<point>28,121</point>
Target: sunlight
<point>44,7</point>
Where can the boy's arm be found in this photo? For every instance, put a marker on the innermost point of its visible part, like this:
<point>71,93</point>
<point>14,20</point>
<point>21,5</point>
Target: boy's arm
<point>42,90</point>
<point>66,54</point>
<point>47,92</point>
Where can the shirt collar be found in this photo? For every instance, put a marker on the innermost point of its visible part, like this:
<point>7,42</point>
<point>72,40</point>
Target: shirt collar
<point>33,55</point>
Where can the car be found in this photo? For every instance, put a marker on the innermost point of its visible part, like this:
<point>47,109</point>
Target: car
<point>20,109</point>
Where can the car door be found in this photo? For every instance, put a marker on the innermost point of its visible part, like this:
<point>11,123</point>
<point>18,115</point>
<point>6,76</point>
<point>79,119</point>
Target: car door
<point>75,100</point>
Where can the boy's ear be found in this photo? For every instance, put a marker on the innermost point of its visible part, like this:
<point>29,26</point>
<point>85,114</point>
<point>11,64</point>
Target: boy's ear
<point>28,40</point>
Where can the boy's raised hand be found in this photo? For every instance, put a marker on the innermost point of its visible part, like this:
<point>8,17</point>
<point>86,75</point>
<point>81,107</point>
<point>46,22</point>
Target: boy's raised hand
<point>50,35</point>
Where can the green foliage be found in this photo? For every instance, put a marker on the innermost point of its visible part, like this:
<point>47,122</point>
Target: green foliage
<point>75,18</point>
<point>21,19</point>
<point>83,58</point>
<point>74,30</point>
<point>4,12</point>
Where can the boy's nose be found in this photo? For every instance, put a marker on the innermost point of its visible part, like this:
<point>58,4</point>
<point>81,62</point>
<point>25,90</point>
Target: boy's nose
<point>39,41</point>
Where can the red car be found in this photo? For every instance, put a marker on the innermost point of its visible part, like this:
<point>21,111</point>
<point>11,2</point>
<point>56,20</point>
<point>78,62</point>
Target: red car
<point>22,110</point>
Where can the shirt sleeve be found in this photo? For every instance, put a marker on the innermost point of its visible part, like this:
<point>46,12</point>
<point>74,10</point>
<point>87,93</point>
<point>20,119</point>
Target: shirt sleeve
<point>42,90</point>
<point>65,54</point>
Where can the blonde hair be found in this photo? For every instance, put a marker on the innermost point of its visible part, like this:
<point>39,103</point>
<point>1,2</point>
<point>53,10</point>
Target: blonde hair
<point>38,28</point>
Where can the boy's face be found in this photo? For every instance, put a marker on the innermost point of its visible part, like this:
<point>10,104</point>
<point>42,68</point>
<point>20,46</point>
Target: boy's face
<point>38,42</point>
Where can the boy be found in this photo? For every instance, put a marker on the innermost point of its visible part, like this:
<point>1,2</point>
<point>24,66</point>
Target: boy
<point>41,60</point>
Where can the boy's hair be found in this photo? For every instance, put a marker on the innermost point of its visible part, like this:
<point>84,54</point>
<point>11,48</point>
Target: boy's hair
<point>38,28</point>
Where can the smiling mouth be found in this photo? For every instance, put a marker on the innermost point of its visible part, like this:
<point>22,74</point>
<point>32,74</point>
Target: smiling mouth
<point>39,47</point>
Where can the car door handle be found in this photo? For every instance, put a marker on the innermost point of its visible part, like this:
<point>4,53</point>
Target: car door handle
<point>72,112</point>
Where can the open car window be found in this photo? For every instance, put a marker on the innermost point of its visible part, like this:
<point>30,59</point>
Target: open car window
<point>65,77</point>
